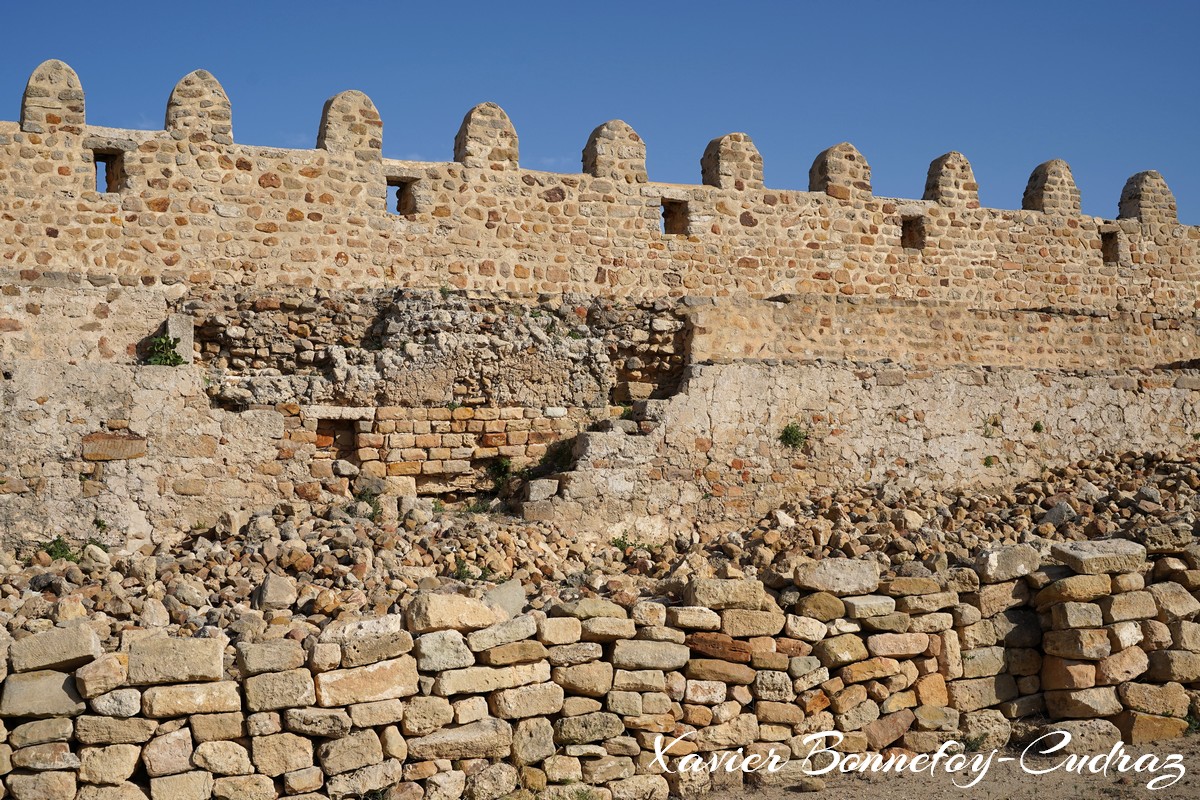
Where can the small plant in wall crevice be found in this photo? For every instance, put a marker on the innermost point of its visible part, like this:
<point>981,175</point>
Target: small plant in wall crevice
<point>161,352</point>
<point>793,435</point>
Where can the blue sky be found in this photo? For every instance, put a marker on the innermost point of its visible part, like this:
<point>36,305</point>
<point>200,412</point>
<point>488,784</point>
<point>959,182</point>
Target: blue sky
<point>1110,87</point>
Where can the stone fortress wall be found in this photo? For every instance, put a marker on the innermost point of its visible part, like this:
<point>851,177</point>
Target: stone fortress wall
<point>344,306</point>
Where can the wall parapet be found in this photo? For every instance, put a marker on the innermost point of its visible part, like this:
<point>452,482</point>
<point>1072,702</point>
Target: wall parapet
<point>190,200</point>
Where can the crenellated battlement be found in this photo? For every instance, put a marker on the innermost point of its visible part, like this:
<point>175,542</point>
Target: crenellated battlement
<point>189,203</point>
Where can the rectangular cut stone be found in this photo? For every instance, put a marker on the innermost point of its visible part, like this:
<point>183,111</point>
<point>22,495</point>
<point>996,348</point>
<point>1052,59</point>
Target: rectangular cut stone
<point>926,603</point>
<point>1100,557</point>
<point>369,640</point>
<point>719,645</point>
<point>1075,589</point>
<point>1137,728</point>
<point>57,648</point>
<point>489,738</point>
<point>693,618</point>
<point>869,605</point>
<point>635,655</point>
<point>840,576</point>
<point>999,564</point>
<point>1066,616</point>
<point>1181,666</point>
<point>103,674</point>
<point>872,669</point>
<point>383,680</point>
<point>898,645</point>
<point>103,446</point>
<point>1170,700</point>
<point>254,658</point>
<point>105,730</point>
<point>477,680</point>
<point>275,690</point>
<point>1174,602</point>
<point>888,729</point>
<point>930,623</point>
<point>979,693</point>
<point>1083,703</point>
<point>719,594</point>
<point>1087,644</point>
<point>514,630</point>
<point>997,597</point>
<point>900,587</point>
<point>184,786</point>
<point>982,662</point>
<point>541,699</point>
<point>159,659</point>
<point>1065,673</point>
<point>1027,706</point>
<point>641,680</point>
<point>40,694</point>
<point>194,698</point>
<point>745,624</point>
<point>1127,606</point>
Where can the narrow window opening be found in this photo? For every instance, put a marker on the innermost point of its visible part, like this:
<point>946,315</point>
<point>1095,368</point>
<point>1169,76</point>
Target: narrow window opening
<point>1110,247</point>
<point>110,170</point>
<point>912,233</point>
<point>675,217</point>
<point>402,199</point>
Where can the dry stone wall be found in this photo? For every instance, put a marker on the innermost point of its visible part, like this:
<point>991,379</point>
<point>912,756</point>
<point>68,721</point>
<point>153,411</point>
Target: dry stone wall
<point>475,697</point>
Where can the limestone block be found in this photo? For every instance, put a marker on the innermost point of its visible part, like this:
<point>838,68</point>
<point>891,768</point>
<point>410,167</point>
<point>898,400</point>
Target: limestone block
<point>1000,564</point>
<point>222,758</point>
<point>838,576</point>
<point>270,691</point>
<point>1083,703</point>
<point>106,673</point>
<point>489,738</point>
<point>280,655</point>
<point>158,659</point>
<point>636,655</point>
<point>40,694</point>
<point>357,750</point>
<point>194,698</point>
<point>1100,557</point>
<point>718,594</point>
<point>383,680</point>
<point>543,699</point>
<point>513,630</point>
<point>108,766</point>
<point>432,612</point>
<point>58,649</point>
